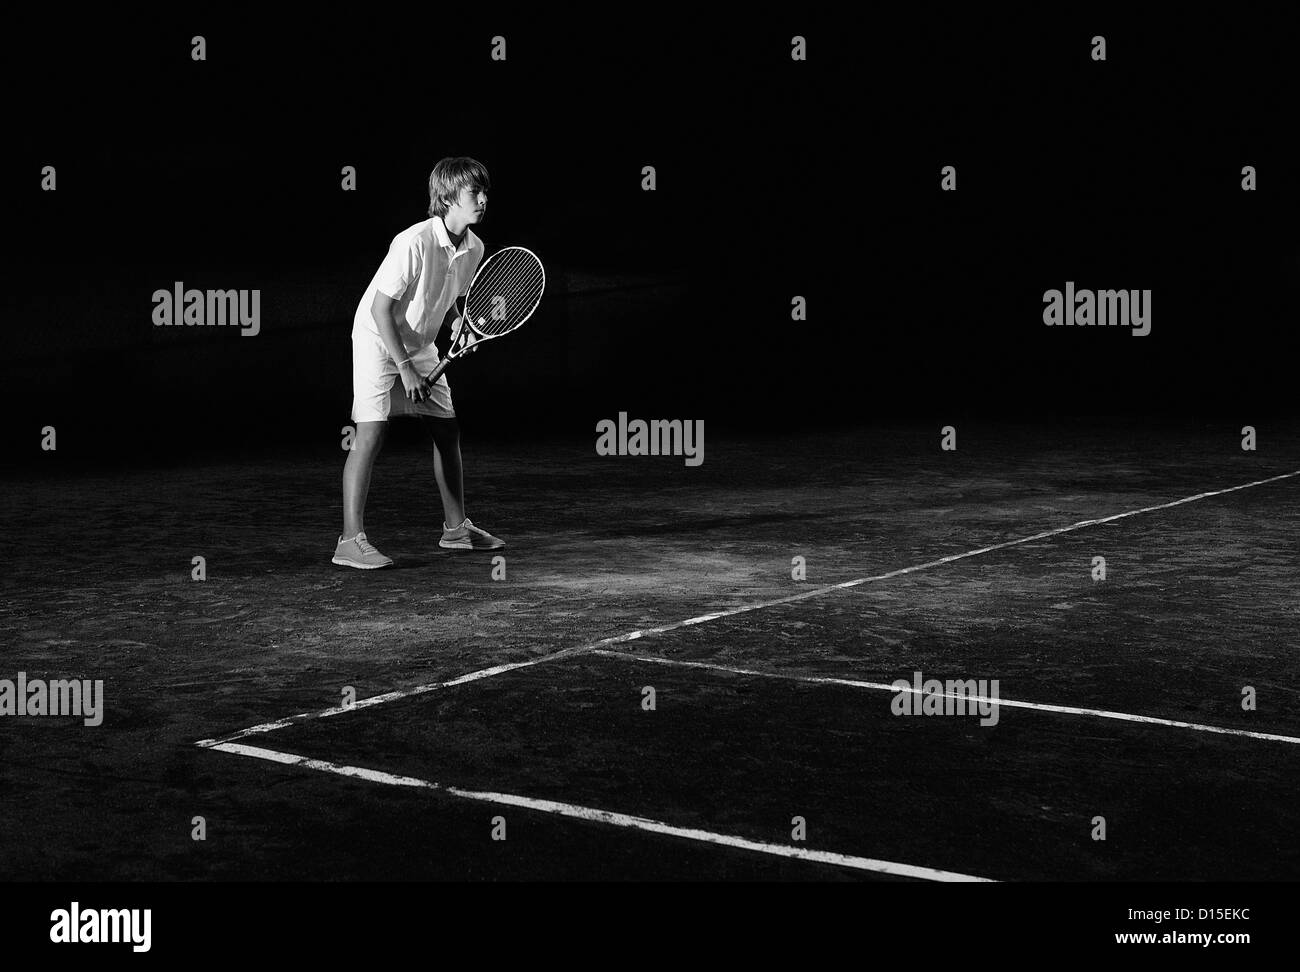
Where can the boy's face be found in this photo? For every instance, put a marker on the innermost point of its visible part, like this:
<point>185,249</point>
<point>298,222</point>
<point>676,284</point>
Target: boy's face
<point>470,206</point>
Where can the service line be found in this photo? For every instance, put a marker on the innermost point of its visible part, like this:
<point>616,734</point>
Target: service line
<point>712,616</point>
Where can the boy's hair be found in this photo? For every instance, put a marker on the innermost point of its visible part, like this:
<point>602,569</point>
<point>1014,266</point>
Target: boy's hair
<point>449,177</point>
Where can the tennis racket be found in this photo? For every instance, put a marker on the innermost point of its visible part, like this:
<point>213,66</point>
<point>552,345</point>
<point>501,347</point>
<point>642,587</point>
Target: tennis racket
<point>503,294</point>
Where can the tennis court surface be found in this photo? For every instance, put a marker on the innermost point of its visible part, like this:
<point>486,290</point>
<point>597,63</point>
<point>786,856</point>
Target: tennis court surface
<point>503,729</point>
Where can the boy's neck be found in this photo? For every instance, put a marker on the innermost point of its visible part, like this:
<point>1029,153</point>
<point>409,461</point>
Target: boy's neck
<point>455,233</point>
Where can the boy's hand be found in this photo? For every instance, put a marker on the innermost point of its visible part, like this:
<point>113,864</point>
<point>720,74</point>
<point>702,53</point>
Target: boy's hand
<point>414,385</point>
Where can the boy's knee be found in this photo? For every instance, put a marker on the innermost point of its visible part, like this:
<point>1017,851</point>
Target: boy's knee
<point>370,435</point>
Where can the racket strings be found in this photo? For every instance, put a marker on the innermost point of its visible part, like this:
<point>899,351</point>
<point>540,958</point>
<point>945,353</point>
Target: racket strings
<point>506,294</point>
<point>505,302</point>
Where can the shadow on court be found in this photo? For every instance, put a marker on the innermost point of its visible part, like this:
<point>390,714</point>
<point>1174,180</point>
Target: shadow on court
<point>1197,605</point>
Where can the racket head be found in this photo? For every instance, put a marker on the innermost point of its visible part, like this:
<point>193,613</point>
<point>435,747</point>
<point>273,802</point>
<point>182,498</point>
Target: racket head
<point>504,292</point>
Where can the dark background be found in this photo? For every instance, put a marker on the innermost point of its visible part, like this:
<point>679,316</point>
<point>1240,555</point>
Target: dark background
<point>775,178</point>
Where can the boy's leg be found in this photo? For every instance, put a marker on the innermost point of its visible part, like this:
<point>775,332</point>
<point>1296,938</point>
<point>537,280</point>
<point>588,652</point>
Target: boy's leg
<point>373,377</point>
<point>459,533</point>
<point>356,475</point>
<point>447,467</point>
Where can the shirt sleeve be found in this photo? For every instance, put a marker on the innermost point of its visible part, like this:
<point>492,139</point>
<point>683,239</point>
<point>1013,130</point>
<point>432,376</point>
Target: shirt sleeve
<point>475,260</point>
<point>400,267</point>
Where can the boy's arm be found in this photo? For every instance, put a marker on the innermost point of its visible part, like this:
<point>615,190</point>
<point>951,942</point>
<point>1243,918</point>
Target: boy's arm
<point>382,309</point>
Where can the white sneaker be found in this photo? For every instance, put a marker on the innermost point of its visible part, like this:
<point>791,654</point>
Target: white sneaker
<point>358,553</point>
<point>468,537</point>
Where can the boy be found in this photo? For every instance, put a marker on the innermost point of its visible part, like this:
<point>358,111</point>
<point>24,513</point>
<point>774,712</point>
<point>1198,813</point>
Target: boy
<point>427,267</point>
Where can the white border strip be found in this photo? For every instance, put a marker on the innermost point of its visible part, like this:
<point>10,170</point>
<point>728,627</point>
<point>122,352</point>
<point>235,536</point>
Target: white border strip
<point>594,815</point>
<point>646,632</point>
<point>1011,703</point>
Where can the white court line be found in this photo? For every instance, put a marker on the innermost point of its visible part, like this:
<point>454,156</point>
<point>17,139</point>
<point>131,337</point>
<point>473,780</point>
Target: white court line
<point>646,632</point>
<point>1012,703</point>
<point>594,815</point>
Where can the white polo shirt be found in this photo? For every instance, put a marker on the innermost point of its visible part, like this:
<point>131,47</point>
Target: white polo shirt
<point>425,274</point>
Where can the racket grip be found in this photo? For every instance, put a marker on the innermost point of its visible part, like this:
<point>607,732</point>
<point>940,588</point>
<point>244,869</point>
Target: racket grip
<point>436,373</point>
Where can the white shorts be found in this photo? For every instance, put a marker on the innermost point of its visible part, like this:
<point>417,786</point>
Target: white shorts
<point>377,391</point>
